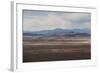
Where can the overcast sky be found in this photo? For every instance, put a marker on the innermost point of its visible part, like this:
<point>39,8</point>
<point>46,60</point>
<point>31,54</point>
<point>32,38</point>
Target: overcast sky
<point>46,20</point>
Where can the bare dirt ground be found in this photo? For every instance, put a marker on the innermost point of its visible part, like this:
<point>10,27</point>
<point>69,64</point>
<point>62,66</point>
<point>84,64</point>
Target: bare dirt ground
<point>56,50</point>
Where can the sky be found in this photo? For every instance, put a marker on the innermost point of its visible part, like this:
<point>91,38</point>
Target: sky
<point>35,20</point>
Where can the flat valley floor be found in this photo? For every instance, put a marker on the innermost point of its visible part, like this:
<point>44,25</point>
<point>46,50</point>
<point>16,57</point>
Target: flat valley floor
<point>38,50</point>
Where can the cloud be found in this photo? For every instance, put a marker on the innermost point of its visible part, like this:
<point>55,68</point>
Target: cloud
<point>40,20</point>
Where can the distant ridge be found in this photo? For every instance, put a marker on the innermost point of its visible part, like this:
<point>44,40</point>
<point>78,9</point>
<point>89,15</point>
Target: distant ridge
<point>59,32</point>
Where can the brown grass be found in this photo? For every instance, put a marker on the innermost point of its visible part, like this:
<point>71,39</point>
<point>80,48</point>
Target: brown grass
<point>56,50</point>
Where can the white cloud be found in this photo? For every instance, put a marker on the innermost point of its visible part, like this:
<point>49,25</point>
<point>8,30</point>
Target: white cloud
<point>53,20</point>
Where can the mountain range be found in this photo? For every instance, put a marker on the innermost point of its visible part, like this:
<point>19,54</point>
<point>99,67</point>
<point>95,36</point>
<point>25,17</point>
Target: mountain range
<point>59,32</point>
